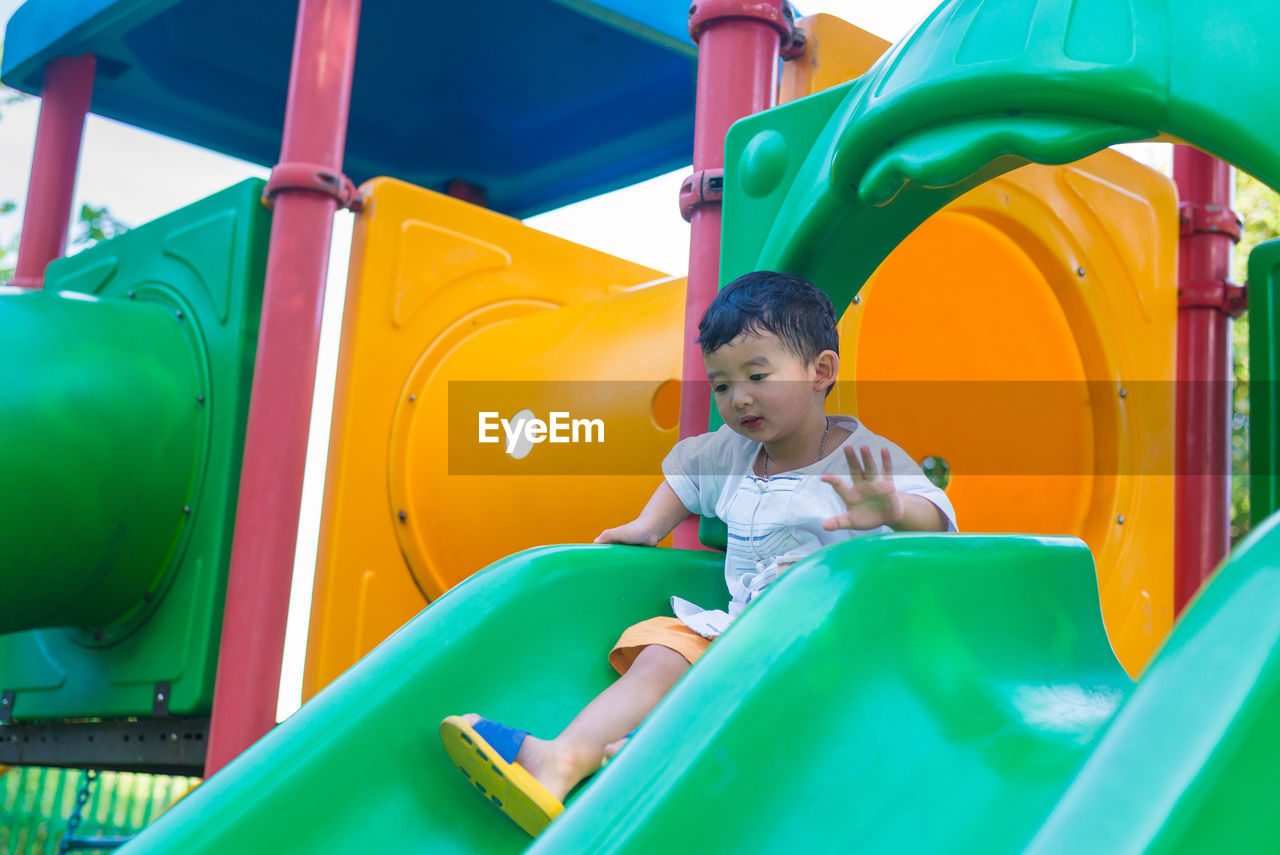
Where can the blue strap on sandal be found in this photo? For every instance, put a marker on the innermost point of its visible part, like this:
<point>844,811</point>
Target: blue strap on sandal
<point>502,739</point>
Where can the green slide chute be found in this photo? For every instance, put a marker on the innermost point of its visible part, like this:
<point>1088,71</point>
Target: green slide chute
<point>964,679</point>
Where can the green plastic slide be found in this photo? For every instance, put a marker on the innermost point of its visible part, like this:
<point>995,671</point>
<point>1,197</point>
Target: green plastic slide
<point>913,693</point>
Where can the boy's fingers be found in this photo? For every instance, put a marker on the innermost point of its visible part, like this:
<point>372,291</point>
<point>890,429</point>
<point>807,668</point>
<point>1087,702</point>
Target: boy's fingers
<point>868,464</point>
<point>855,465</point>
<point>887,460</point>
<point>839,485</point>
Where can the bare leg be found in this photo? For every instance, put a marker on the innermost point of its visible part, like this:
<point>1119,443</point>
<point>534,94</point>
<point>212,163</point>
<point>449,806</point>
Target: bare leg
<point>559,764</point>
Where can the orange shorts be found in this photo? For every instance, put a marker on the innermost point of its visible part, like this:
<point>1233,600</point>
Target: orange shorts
<point>663,631</point>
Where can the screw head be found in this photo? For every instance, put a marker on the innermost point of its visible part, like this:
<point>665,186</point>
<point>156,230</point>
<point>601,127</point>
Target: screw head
<point>857,298</point>
<point>1120,519</point>
<point>1124,393</point>
<point>413,398</point>
<point>403,516</point>
<point>1079,271</point>
<point>132,295</point>
<point>200,399</point>
<point>178,314</point>
<point>186,509</point>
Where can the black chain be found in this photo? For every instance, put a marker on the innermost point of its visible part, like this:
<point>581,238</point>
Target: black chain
<point>82,798</point>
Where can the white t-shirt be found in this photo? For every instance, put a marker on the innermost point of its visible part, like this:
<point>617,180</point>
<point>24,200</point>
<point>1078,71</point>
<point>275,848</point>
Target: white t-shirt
<point>776,517</point>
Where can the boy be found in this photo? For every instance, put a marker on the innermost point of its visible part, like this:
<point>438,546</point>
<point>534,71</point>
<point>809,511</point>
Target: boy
<point>770,346</point>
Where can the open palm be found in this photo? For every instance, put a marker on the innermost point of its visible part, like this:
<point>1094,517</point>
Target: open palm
<point>870,498</point>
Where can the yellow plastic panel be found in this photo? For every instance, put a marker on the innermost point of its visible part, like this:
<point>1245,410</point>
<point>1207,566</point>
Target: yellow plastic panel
<point>835,52</point>
<point>1037,318</point>
<point>428,273</point>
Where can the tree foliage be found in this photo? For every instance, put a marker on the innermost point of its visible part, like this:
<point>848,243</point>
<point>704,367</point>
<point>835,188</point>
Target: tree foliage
<point>1260,207</point>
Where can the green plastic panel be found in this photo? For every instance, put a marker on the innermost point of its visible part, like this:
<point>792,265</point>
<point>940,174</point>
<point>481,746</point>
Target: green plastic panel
<point>207,263</point>
<point>1264,381</point>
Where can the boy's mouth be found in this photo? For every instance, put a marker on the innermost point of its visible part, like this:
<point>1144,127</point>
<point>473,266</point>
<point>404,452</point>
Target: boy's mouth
<point>751,422</point>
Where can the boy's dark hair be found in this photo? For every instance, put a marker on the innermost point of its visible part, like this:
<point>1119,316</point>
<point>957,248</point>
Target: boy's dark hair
<point>800,315</point>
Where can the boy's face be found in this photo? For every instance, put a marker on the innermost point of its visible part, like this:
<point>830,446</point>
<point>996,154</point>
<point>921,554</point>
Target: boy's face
<point>763,390</point>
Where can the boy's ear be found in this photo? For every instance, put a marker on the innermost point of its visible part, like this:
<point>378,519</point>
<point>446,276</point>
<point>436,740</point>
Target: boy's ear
<point>827,367</point>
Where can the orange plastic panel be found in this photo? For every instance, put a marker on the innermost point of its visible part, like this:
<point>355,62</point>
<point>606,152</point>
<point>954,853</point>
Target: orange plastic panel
<point>1037,318</point>
<point>428,273</point>
<point>835,52</point>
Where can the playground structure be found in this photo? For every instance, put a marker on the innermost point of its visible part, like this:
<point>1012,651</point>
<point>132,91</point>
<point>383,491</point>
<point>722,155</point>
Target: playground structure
<point>986,658</point>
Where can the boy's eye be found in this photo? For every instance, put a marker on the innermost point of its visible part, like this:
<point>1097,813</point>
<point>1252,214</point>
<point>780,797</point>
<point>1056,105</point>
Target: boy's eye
<point>758,377</point>
<point>721,387</point>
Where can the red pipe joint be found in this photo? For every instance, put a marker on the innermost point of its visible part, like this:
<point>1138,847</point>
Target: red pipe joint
<point>702,187</point>
<point>317,177</point>
<point>1197,217</point>
<point>776,13</point>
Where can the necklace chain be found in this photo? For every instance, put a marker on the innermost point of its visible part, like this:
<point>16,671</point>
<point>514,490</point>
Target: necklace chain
<point>822,448</point>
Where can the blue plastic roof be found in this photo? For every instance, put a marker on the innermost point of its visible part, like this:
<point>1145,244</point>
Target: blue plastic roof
<point>540,102</point>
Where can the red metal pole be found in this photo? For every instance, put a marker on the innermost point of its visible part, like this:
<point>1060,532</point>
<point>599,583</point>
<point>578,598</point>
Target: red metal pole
<point>65,97</point>
<point>738,48</point>
<point>1206,302</point>
<point>315,128</point>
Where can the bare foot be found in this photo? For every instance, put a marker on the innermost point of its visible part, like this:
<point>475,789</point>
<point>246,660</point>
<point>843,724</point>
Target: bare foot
<point>556,767</point>
<point>614,747</point>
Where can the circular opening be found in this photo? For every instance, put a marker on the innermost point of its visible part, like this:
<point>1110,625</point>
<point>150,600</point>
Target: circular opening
<point>937,470</point>
<point>665,406</point>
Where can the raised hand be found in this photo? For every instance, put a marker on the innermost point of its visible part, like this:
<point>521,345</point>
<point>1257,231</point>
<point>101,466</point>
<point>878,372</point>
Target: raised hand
<point>870,499</point>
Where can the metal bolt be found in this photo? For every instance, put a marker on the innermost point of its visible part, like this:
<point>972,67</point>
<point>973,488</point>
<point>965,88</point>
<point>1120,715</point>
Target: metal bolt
<point>159,696</point>
<point>1120,519</point>
<point>403,516</point>
<point>199,399</point>
<point>179,314</point>
<point>131,295</point>
<point>1124,393</point>
<point>186,509</point>
<point>1079,271</point>
<point>857,298</point>
<point>413,398</point>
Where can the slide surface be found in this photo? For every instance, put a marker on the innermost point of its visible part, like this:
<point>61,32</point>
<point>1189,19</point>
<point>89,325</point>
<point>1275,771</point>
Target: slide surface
<point>890,694</point>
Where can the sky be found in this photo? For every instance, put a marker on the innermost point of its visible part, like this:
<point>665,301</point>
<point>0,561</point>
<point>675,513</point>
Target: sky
<point>141,176</point>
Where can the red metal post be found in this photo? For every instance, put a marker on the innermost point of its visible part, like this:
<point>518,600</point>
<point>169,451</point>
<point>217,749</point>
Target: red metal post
<point>1206,302</point>
<point>315,129</point>
<point>738,48</point>
<point>65,97</point>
